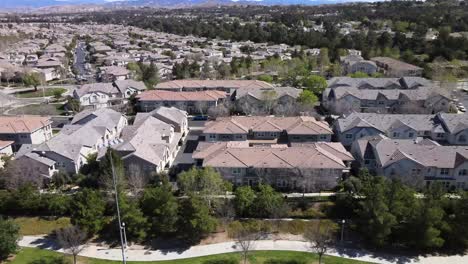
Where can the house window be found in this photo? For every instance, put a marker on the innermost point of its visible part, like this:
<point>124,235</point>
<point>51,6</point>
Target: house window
<point>444,171</point>
<point>239,136</point>
<point>381,102</point>
<point>349,136</point>
<point>440,135</point>
<point>212,136</point>
<point>410,134</point>
<point>367,162</point>
<point>396,134</point>
<point>323,136</point>
<point>236,170</point>
<point>462,172</point>
<point>462,138</point>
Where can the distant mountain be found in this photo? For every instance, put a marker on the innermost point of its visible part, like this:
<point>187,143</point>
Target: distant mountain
<point>8,4</point>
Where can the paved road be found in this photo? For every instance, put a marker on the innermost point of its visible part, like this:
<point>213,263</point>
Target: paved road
<point>80,58</point>
<point>138,253</point>
<point>11,91</point>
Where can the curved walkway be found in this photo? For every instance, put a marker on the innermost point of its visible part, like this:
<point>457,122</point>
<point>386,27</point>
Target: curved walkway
<point>141,254</point>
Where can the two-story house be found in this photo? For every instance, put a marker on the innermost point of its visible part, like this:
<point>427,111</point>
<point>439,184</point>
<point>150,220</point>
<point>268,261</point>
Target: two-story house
<point>151,144</point>
<point>444,128</point>
<point>407,95</point>
<point>25,129</point>
<point>414,161</point>
<point>309,167</point>
<point>67,151</point>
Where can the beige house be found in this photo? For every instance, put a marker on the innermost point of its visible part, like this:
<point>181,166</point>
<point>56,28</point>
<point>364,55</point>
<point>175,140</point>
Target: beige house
<point>407,95</point>
<point>307,167</point>
<point>197,102</point>
<point>67,151</point>
<point>25,129</point>
<point>395,68</point>
<point>151,144</point>
<point>444,128</point>
<point>415,162</point>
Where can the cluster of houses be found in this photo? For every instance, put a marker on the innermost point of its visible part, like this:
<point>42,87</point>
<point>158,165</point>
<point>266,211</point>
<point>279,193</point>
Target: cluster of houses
<point>290,152</point>
<point>42,50</point>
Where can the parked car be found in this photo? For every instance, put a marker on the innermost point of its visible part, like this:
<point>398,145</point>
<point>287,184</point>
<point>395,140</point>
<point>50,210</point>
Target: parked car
<point>200,118</point>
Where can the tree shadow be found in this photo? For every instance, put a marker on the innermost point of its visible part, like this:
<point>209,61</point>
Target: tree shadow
<point>48,242</point>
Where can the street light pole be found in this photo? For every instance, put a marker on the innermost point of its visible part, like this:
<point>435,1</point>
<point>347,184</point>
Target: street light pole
<point>124,235</point>
<point>342,229</point>
<point>124,258</point>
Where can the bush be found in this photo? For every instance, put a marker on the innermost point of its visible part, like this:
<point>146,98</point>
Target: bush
<point>285,261</point>
<point>221,261</point>
<point>295,227</point>
<point>50,260</point>
<point>9,234</point>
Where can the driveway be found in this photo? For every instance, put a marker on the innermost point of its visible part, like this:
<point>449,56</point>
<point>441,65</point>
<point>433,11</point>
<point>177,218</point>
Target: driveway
<point>138,253</point>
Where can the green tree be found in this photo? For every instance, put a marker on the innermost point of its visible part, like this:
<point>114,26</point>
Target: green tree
<point>105,170</point>
<point>315,83</point>
<point>374,213</point>
<point>136,224</point>
<point>265,78</point>
<point>149,74</point>
<point>195,220</point>
<point>161,208</point>
<point>266,202</point>
<point>307,98</point>
<point>243,201</point>
<point>88,209</point>
<point>33,79</point>
<point>358,75</point>
<point>427,223</point>
<point>204,182</point>
<point>9,235</point>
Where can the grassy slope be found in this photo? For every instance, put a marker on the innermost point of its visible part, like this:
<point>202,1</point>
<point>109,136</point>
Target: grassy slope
<point>30,226</point>
<point>40,93</point>
<point>28,255</point>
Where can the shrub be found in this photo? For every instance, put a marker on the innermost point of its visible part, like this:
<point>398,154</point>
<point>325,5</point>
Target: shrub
<point>284,261</point>
<point>221,261</point>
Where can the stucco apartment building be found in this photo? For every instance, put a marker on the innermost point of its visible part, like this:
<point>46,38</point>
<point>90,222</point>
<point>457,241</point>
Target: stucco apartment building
<point>444,128</point>
<point>247,94</point>
<point>416,162</point>
<point>407,95</point>
<point>99,95</point>
<point>396,68</point>
<point>151,144</point>
<point>303,167</point>
<point>267,129</point>
<point>25,130</point>
<point>67,151</point>
<point>194,102</point>
<point>355,63</point>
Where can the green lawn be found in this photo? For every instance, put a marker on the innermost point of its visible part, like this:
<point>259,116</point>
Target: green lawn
<point>40,93</point>
<point>39,109</point>
<point>30,226</point>
<point>29,255</point>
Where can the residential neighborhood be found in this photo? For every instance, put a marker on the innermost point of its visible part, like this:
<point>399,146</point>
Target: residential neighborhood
<point>233,132</point>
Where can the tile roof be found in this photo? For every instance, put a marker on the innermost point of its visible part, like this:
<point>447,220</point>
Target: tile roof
<point>160,95</point>
<point>320,155</point>
<point>22,124</point>
<point>213,84</point>
<point>300,125</point>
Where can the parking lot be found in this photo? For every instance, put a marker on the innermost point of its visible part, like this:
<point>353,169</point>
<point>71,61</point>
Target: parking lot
<point>461,94</point>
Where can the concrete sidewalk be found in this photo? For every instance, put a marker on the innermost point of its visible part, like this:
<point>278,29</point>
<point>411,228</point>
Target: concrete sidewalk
<point>136,253</point>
